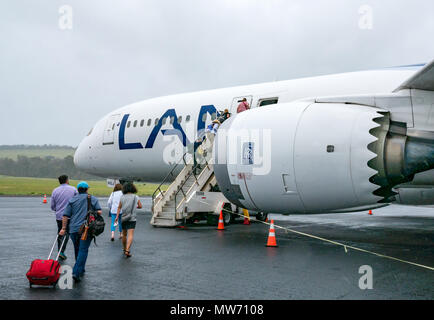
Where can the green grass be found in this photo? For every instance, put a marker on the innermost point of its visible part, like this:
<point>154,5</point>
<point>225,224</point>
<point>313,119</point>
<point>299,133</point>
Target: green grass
<point>56,153</point>
<point>18,186</point>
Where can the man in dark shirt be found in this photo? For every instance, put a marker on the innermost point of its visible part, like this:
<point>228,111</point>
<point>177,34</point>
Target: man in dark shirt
<point>76,212</point>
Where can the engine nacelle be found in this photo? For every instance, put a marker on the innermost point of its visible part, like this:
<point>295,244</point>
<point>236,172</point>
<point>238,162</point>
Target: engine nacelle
<point>306,157</point>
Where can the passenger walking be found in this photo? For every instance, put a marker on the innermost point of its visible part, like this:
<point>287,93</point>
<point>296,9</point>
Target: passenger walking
<point>213,127</point>
<point>197,157</point>
<point>59,200</point>
<point>76,214</point>
<point>224,116</point>
<point>113,204</point>
<point>243,106</point>
<point>128,204</point>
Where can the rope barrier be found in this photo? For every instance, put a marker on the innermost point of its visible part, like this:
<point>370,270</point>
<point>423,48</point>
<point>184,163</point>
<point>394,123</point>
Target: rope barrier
<point>346,247</point>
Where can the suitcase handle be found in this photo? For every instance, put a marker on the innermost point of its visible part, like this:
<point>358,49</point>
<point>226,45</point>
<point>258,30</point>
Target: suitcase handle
<point>54,244</point>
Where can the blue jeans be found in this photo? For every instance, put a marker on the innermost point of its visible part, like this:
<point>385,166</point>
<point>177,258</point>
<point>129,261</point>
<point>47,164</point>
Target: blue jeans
<point>81,249</point>
<point>113,228</point>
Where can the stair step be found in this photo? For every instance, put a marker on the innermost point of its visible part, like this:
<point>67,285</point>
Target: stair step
<point>186,186</point>
<point>165,223</point>
<point>178,197</point>
<point>165,217</point>
<point>167,214</point>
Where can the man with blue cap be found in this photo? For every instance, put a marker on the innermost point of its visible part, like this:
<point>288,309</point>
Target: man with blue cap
<point>75,213</point>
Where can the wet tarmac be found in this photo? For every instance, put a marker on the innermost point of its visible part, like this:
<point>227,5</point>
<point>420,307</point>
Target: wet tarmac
<point>203,263</point>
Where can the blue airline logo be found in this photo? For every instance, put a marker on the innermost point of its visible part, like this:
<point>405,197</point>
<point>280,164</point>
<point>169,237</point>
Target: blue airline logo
<point>177,129</point>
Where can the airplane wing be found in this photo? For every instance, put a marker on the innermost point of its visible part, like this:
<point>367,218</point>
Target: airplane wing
<point>422,80</point>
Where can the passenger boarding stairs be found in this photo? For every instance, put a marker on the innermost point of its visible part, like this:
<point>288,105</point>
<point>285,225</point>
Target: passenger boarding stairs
<point>169,207</point>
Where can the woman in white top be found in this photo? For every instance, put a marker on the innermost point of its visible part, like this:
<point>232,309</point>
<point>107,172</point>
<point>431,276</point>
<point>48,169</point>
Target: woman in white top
<point>113,204</point>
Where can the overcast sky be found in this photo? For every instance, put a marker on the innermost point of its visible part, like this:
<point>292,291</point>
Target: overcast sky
<point>56,83</point>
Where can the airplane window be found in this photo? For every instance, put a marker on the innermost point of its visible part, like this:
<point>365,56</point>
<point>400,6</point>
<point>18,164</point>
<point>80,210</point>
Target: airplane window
<point>135,123</point>
<point>187,119</point>
<point>204,117</point>
<point>156,121</point>
<point>266,102</point>
<point>179,119</point>
<point>113,126</point>
<point>90,132</point>
<point>149,122</point>
<point>128,124</point>
<point>164,121</point>
<point>142,123</point>
<point>172,119</point>
<point>213,116</point>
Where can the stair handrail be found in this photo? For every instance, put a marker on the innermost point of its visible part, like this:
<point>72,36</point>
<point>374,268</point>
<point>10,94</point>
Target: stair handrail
<point>180,188</point>
<point>155,194</point>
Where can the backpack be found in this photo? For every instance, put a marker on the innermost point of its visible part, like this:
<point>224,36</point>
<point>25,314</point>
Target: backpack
<point>94,220</point>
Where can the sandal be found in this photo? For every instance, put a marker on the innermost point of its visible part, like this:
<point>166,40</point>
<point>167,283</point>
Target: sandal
<point>127,254</point>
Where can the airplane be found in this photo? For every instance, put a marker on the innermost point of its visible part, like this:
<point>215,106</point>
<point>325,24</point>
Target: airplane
<point>336,143</point>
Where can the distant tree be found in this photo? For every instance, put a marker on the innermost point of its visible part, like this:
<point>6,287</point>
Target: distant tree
<point>48,167</point>
<point>34,147</point>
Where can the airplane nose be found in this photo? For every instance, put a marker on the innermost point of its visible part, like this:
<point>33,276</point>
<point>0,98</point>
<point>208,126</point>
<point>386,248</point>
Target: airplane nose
<point>84,156</point>
<point>77,157</point>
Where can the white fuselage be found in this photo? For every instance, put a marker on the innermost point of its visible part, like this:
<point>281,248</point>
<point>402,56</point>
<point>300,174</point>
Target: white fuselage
<point>132,142</point>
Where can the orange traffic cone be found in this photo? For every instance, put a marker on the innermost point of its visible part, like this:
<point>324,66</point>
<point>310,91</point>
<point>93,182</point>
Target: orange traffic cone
<point>370,212</point>
<point>246,217</point>
<point>45,199</point>
<point>221,225</point>
<point>271,236</point>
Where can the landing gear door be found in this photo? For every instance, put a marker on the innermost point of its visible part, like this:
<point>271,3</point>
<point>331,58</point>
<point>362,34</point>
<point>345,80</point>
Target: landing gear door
<point>236,101</point>
<point>110,129</point>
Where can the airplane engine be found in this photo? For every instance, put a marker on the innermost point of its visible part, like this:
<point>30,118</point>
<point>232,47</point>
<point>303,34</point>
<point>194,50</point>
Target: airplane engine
<point>307,157</point>
<point>415,196</point>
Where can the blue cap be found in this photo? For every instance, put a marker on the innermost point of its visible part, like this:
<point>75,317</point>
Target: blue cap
<point>83,185</point>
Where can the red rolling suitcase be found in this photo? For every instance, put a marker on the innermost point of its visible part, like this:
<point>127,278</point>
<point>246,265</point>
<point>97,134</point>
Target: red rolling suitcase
<point>45,272</point>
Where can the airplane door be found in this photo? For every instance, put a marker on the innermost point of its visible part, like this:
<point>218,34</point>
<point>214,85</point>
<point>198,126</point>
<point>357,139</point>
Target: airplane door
<point>236,101</point>
<point>110,128</point>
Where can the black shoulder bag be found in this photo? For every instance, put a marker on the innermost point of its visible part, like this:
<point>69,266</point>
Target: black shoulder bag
<point>94,221</point>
